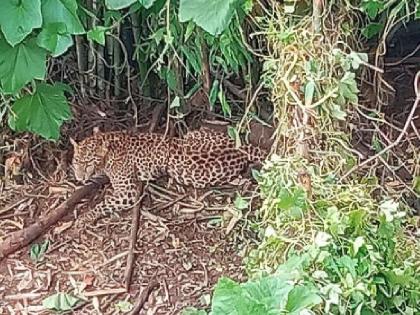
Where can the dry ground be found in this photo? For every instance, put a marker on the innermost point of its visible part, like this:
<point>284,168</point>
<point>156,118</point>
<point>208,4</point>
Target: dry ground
<point>184,245</point>
<point>180,245</point>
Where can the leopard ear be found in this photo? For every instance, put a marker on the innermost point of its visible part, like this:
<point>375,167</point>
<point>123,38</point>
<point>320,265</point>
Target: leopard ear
<point>74,143</point>
<point>96,130</point>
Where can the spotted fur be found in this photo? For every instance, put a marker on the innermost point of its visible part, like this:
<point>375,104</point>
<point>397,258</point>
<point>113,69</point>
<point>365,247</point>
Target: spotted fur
<point>202,158</point>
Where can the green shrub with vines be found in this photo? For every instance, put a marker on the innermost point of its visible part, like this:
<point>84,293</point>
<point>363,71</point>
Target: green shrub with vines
<point>326,246</point>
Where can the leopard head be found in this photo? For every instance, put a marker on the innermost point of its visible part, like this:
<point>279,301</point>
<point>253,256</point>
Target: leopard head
<point>89,157</point>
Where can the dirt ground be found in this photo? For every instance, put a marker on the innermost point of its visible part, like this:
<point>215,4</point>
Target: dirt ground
<point>186,240</point>
<point>181,245</point>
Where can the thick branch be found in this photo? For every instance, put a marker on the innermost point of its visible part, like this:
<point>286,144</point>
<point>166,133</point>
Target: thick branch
<point>24,237</point>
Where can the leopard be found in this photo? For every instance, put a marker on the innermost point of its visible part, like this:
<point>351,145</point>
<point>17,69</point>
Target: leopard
<point>201,158</point>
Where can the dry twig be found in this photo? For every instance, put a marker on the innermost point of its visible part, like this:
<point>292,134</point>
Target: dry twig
<point>400,137</point>
<point>143,297</point>
<point>133,240</point>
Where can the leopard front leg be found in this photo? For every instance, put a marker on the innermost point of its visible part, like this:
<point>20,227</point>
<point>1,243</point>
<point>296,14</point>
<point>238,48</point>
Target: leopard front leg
<point>124,195</point>
<point>117,201</point>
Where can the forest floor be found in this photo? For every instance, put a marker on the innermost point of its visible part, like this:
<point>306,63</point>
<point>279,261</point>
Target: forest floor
<point>184,242</point>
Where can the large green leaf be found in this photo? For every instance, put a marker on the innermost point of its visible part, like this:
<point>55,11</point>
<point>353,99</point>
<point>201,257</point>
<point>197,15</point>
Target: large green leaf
<point>147,3</point>
<point>19,18</point>
<point>62,11</point>
<point>54,37</point>
<point>302,297</point>
<point>229,299</point>
<point>121,4</point>
<point>20,64</point>
<point>213,16</point>
<point>42,112</point>
<point>267,295</point>
<point>118,4</point>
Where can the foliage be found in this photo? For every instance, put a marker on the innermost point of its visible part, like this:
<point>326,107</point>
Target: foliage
<point>359,256</point>
<point>347,254</point>
<point>33,31</point>
<point>343,247</point>
<point>42,112</point>
<point>383,15</point>
<point>60,302</point>
<point>38,250</point>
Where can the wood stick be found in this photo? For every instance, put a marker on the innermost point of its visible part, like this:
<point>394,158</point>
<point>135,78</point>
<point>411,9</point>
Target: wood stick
<point>133,240</point>
<point>143,297</point>
<point>24,237</point>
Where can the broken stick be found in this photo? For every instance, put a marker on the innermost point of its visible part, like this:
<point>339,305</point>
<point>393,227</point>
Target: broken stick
<point>133,240</point>
<point>143,297</point>
<point>24,237</point>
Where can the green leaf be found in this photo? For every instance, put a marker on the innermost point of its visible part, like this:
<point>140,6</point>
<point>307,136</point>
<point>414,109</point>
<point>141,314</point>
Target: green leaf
<point>193,58</point>
<point>267,295</point>
<point>347,87</point>
<point>170,77</point>
<point>213,16</point>
<point>357,59</point>
<point>19,18</point>
<point>175,103</point>
<point>97,34</point>
<point>416,184</point>
<point>118,4</point>
<point>234,135</point>
<point>309,92</point>
<point>42,113</point>
<point>213,93</point>
<point>372,30</point>
<point>302,297</point>
<point>147,3</point>
<point>62,11</point>
<point>228,299</point>
<point>357,244</point>
<point>372,7</point>
<point>20,64</point>
<point>338,113</point>
<point>225,105</point>
<point>38,250</point>
<point>188,32</point>
<point>60,302</point>
<point>124,306</point>
<point>240,203</point>
<point>54,38</point>
<point>293,202</point>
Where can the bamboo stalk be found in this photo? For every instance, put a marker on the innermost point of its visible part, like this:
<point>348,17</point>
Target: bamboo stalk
<point>144,78</point>
<point>110,56</point>
<point>100,65</point>
<point>81,64</point>
<point>91,5</point>
<point>116,63</point>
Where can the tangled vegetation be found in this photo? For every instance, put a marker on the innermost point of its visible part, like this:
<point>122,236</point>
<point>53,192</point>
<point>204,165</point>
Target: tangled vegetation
<point>327,246</point>
<point>329,240</point>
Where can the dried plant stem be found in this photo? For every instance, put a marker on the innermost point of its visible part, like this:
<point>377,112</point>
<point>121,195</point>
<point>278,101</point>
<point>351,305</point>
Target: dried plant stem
<point>400,137</point>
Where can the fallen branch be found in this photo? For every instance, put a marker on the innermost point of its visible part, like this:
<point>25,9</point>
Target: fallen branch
<point>135,216</point>
<point>143,297</point>
<point>24,237</point>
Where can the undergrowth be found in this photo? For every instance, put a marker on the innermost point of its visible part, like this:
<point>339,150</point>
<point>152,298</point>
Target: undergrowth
<point>327,246</point>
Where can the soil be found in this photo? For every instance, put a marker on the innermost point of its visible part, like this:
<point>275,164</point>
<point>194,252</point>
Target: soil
<point>185,250</point>
<point>185,245</point>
